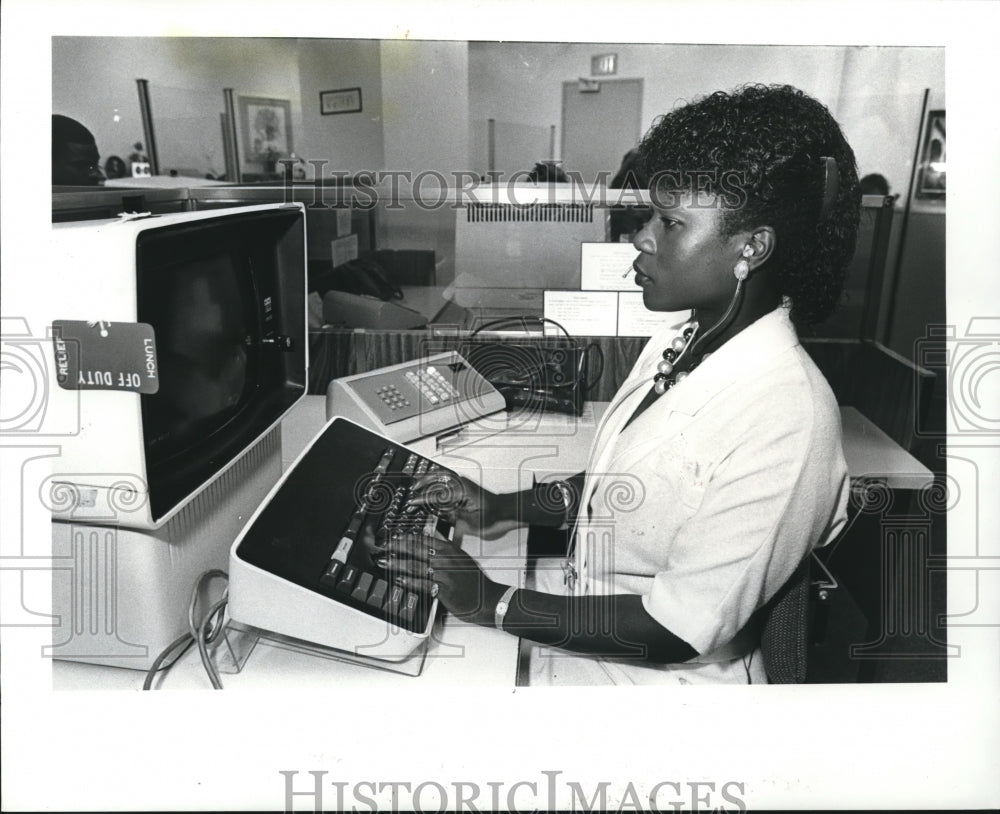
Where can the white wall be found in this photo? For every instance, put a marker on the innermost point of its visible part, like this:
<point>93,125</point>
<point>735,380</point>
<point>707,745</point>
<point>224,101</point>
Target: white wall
<point>522,82</point>
<point>348,141</point>
<point>872,91</point>
<point>425,104</point>
<point>880,106</point>
<point>93,77</point>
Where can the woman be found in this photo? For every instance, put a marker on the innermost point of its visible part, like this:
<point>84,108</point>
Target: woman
<point>724,439</point>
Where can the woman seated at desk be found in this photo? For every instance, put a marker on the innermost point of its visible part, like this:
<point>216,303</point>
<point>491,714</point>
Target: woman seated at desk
<point>725,432</point>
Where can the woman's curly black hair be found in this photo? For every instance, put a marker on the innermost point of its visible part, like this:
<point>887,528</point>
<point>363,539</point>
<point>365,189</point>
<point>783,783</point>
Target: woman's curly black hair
<point>760,149</point>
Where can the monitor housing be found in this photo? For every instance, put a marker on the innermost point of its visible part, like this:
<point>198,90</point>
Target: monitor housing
<point>151,489</point>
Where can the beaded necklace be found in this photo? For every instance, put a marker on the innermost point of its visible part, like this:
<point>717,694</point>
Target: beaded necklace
<point>668,372</point>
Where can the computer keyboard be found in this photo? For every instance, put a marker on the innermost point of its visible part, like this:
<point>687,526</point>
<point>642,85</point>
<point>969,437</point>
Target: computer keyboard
<point>311,563</point>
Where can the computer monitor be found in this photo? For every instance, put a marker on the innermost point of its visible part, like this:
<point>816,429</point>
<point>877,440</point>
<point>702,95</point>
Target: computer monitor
<point>178,343</point>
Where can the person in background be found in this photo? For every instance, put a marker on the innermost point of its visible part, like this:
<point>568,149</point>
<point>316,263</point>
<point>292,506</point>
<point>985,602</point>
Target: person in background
<point>75,159</point>
<point>717,467</point>
<point>874,184</point>
<point>625,221</point>
<point>628,175</point>
<point>548,172</point>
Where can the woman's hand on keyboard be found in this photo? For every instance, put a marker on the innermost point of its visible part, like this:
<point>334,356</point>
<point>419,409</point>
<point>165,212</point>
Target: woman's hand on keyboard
<point>475,510</point>
<point>419,562</point>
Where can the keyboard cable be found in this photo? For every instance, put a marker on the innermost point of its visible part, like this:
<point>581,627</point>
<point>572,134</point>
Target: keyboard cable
<point>203,633</point>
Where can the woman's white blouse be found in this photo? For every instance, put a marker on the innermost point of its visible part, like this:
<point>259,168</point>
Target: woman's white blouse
<point>708,501</point>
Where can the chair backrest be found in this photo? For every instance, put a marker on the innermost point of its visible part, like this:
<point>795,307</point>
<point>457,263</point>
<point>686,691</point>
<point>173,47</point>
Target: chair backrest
<point>784,640</point>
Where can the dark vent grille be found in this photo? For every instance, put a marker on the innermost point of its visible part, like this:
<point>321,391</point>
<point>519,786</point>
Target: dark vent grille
<point>529,213</point>
<point>214,493</point>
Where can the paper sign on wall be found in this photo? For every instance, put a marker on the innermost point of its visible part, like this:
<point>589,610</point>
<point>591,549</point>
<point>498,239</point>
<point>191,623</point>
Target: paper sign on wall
<point>634,319</point>
<point>343,222</point>
<point>344,249</point>
<point>583,313</point>
<point>607,266</point>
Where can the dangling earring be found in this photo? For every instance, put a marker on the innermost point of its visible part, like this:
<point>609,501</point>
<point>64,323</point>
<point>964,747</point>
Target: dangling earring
<point>742,269</point>
<point>667,374</point>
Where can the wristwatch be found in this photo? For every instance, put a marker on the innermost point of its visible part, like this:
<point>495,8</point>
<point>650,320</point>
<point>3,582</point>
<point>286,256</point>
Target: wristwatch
<point>502,607</point>
<point>567,498</point>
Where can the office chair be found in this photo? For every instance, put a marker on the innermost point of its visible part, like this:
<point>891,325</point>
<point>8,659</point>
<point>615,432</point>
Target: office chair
<point>784,640</point>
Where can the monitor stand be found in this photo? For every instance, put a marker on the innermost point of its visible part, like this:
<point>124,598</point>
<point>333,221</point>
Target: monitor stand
<point>121,595</point>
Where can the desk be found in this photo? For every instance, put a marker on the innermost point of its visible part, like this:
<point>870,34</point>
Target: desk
<point>870,453</point>
<point>506,452</point>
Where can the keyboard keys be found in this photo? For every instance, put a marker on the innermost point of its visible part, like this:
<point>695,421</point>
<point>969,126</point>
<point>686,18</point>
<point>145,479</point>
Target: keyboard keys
<point>377,597</point>
<point>360,591</point>
<point>346,582</point>
<point>409,607</point>
<point>384,461</point>
<point>395,600</point>
<point>392,398</point>
<point>355,574</point>
<point>343,548</point>
<point>331,574</point>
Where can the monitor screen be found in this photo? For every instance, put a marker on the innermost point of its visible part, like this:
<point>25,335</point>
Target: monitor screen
<point>211,290</point>
<point>203,339</point>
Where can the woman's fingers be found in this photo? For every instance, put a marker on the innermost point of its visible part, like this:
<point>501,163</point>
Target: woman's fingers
<point>440,491</point>
<point>411,562</point>
<point>421,556</point>
<point>417,584</point>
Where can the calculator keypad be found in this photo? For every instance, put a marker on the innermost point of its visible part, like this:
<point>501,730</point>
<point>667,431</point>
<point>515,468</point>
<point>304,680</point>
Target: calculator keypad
<point>392,398</point>
<point>434,386</point>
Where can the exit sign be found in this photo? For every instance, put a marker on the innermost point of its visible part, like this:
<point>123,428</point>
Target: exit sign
<point>604,65</point>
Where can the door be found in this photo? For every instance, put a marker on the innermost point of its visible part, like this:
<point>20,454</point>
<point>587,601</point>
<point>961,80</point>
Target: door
<point>599,126</point>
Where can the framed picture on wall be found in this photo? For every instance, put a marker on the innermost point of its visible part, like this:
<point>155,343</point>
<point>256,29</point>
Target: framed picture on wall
<point>345,100</point>
<point>932,181</point>
<point>266,128</point>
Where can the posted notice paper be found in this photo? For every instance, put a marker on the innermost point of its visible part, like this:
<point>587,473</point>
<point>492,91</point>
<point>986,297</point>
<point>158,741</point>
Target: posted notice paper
<point>603,266</point>
<point>634,319</point>
<point>583,313</point>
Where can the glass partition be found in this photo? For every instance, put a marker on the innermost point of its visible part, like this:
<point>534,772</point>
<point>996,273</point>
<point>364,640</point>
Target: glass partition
<point>189,129</point>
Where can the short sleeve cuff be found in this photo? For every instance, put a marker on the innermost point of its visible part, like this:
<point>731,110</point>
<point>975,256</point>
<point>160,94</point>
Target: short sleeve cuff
<point>700,629</point>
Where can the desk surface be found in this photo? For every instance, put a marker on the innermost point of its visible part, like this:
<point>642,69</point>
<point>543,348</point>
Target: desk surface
<point>505,453</point>
<point>870,453</point>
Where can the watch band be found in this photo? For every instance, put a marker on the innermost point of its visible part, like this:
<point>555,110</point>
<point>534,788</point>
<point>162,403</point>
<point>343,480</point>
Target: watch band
<point>567,498</point>
<point>502,607</point>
